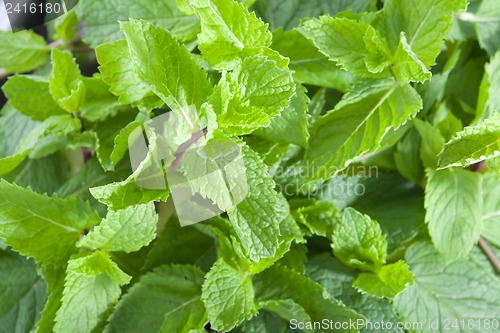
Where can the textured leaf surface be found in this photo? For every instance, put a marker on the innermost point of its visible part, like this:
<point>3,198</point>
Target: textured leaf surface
<point>228,31</point>
<point>358,123</point>
<point>491,208</point>
<point>125,230</point>
<point>99,20</point>
<point>473,144</point>
<point>228,296</point>
<point>358,241</point>
<point>175,78</point>
<point>488,25</point>
<point>91,286</point>
<point>251,95</point>
<point>42,227</point>
<point>22,51</point>
<point>453,202</point>
<point>465,289</point>
<point>166,300</point>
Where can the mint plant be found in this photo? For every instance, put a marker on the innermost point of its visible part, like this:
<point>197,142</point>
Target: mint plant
<point>367,134</point>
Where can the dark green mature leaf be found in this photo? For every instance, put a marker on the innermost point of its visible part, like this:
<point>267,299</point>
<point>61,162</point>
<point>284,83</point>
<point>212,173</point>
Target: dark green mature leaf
<point>280,283</point>
<point>22,51</point>
<point>45,228</point>
<point>447,293</point>
<point>24,293</point>
<point>166,300</point>
<point>356,125</point>
<point>99,20</point>
<point>453,202</point>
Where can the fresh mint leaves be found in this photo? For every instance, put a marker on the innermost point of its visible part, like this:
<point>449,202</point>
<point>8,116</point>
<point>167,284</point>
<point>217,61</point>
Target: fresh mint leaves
<point>194,166</point>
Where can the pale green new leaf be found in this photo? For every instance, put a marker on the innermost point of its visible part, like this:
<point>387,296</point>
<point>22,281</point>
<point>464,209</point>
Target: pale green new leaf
<point>290,126</point>
<point>453,201</point>
<point>228,32</point>
<point>24,293</point>
<point>66,84</point>
<point>431,143</point>
<point>251,95</point>
<point>358,123</point>
<point>100,21</point>
<point>473,144</point>
<point>119,73</point>
<point>425,24</point>
<point>462,289</point>
<point>357,241</point>
<point>22,51</point>
<point>257,218</point>
<point>65,26</point>
<point>42,227</point>
<point>340,39</point>
<point>30,95</point>
<point>389,281</point>
<point>165,66</point>
<point>406,66</point>
<point>228,296</point>
<point>166,300</point>
<point>125,230</point>
<point>91,286</point>
<point>489,100</point>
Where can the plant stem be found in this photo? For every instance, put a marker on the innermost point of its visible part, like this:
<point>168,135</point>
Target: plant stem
<point>489,253</point>
<point>3,74</point>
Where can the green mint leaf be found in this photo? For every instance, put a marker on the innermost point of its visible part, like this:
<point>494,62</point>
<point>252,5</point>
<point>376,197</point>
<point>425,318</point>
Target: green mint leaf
<point>389,281</point>
<point>357,241</point>
<point>30,95</point>
<point>453,203</point>
<point>251,95</point>
<point>340,39</point>
<point>257,218</point>
<point>491,208</point>
<point>309,65</point>
<point>407,67</point>
<point>66,26</point>
<point>66,85</point>
<point>91,286</point>
<point>125,230</point>
<point>183,312</point>
<point>99,29</point>
<point>228,32</point>
<point>176,79</point>
<point>42,227</point>
<point>425,24</point>
<point>24,293</point>
<point>228,295</point>
<point>99,103</point>
<point>356,125</point>
<point>407,157</point>
<point>465,289</point>
<point>290,126</point>
<point>473,144</point>
<point>22,51</point>
<point>280,283</point>
<point>54,278</point>
<point>119,73</point>
<point>487,25</point>
<point>432,143</point>
<point>318,216</point>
